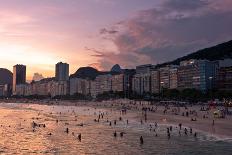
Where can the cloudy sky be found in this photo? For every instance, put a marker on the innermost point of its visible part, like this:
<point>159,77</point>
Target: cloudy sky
<point>100,33</point>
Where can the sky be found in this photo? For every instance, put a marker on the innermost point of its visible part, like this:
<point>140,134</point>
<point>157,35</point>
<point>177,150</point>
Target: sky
<point>101,33</point>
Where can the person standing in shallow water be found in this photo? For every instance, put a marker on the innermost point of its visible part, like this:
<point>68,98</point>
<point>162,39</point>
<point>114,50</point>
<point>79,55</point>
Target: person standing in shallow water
<point>79,137</point>
<point>67,130</point>
<point>141,139</point>
<point>115,134</point>
<point>180,126</point>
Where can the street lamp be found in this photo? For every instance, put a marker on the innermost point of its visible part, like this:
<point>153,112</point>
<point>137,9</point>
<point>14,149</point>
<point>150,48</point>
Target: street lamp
<point>161,90</point>
<point>210,80</point>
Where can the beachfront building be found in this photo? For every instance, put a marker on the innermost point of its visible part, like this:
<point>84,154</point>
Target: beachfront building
<point>164,73</point>
<point>144,69</point>
<point>136,84</point>
<point>128,76</point>
<point>5,90</point>
<point>173,78</point>
<point>224,79</point>
<point>155,82</point>
<point>20,90</point>
<point>103,83</point>
<point>117,82</point>
<point>59,88</point>
<point>62,71</point>
<point>198,74</point>
<point>110,83</point>
<point>42,87</point>
<point>93,89</point>
<point>79,86</point>
<point>19,76</point>
<point>141,82</point>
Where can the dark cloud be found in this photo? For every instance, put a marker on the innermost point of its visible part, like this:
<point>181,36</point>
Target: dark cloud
<point>171,30</point>
<point>97,53</point>
<point>185,5</point>
<point>106,31</point>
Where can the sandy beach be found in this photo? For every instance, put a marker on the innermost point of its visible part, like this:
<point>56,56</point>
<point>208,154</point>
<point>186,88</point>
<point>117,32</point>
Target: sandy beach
<point>98,121</point>
<point>222,126</point>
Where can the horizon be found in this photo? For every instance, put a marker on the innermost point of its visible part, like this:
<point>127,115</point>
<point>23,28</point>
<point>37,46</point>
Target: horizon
<point>94,33</point>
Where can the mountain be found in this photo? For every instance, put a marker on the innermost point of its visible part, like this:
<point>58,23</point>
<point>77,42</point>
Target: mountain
<point>218,52</point>
<point>116,68</point>
<point>86,72</point>
<point>92,73</point>
<point>6,77</point>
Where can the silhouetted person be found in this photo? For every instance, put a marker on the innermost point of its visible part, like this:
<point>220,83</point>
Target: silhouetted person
<point>79,137</point>
<point>67,130</point>
<point>141,139</point>
<point>115,134</point>
<point>195,134</point>
<point>180,126</point>
<point>185,131</point>
<point>169,135</point>
<point>121,134</point>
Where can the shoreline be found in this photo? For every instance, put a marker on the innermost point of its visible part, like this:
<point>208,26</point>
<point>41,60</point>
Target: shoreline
<point>221,129</point>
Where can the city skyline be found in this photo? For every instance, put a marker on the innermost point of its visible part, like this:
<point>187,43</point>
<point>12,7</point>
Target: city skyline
<point>95,33</point>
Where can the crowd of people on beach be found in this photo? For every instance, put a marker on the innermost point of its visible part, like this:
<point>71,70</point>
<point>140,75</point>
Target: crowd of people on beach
<point>142,108</point>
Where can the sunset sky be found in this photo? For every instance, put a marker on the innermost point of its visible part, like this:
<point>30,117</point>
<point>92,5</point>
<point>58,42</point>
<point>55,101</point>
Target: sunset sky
<point>100,33</point>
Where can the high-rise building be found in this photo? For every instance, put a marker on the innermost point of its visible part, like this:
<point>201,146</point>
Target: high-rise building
<point>79,86</point>
<point>143,69</point>
<point>155,82</point>
<point>198,74</point>
<point>173,78</point>
<point>164,77</point>
<point>62,71</point>
<point>141,82</point>
<point>224,79</point>
<point>19,76</point>
<point>117,83</point>
<point>128,76</point>
<point>103,83</point>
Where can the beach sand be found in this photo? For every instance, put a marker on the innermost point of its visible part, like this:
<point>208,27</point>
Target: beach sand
<point>18,135</point>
